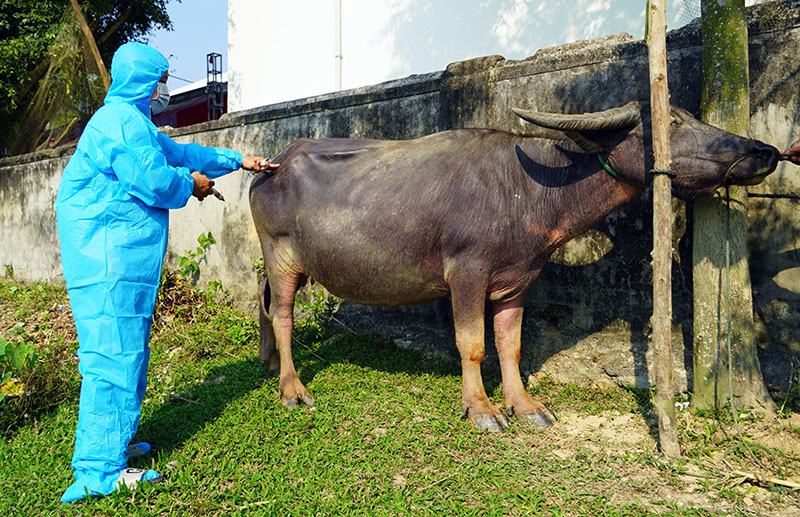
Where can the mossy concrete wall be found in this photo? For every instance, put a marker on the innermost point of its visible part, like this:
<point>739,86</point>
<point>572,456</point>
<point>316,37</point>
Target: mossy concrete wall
<point>587,317</point>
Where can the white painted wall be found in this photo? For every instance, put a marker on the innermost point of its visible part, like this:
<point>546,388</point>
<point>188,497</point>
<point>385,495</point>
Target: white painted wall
<point>281,50</point>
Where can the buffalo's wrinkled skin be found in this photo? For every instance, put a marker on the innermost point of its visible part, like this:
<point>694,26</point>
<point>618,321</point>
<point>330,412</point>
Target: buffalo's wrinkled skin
<point>470,213</point>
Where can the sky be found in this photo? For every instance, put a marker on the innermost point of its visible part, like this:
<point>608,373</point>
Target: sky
<point>199,28</point>
<point>413,36</point>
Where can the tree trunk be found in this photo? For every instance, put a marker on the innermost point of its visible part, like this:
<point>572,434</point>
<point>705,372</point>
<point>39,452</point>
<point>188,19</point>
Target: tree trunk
<point>720,233</point>
<point>87,33</point>
<point>663,220</point>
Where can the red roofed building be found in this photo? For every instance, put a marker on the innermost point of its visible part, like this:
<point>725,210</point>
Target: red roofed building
<point>189,105</point>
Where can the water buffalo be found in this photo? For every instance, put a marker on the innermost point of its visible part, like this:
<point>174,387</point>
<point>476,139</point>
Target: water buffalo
<point>470,213</point>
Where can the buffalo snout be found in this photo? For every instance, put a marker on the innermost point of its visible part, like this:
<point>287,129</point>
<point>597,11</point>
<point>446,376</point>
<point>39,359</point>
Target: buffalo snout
<point>756,164</point>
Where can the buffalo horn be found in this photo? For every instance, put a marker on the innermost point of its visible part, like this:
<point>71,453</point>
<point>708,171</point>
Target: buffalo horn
<point>615,118</point>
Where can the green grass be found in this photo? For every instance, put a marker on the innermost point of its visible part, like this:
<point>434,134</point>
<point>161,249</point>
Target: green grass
<point>385,437</point>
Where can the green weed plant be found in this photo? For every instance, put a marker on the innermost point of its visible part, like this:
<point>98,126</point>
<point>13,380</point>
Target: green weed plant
<point>315,310</point>
<point>189,262</point>
<point>15,360</point>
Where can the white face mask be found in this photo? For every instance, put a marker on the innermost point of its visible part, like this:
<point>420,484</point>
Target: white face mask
<point>159,104</point>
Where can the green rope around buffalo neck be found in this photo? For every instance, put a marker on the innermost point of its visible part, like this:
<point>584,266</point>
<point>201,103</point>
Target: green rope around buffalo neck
<point>616,176</point>
<point>728,172</point>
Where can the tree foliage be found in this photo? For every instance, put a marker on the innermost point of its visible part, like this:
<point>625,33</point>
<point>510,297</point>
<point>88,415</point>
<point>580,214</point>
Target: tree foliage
<point>47,75</point>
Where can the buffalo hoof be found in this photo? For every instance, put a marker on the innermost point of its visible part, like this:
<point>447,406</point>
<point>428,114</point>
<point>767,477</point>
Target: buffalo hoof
<point>295,402</point>
<point>544,418</point>
<point>493,422</point>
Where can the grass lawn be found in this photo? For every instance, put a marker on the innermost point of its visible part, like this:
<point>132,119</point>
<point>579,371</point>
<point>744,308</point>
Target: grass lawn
<point>385,438</point>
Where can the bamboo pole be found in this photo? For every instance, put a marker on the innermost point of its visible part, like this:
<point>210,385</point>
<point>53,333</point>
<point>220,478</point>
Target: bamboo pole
<point>87,33</point>
<point>662,230</point>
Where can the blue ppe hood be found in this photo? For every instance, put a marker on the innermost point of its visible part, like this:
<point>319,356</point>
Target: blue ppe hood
<point>135,72</point>
<point>112,211</point>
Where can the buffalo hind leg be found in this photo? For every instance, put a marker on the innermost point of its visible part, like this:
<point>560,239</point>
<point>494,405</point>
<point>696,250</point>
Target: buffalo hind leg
<point>507,337</point>
<point>468,319</point>
<point>281,307</point>
<point>266,341</point>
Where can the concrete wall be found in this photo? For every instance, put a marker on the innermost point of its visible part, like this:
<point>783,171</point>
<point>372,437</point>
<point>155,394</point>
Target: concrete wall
<point>29,238</point>
<point>588,316</point>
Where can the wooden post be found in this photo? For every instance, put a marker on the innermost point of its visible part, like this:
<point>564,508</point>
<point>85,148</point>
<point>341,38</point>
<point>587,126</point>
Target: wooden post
<point>663,219</point>
<point>87,34</point>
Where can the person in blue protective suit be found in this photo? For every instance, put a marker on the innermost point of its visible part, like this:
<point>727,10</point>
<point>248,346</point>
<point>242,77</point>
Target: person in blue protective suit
<point>112,210</point>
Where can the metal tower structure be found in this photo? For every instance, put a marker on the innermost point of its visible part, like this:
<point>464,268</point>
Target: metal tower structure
<point>215,88</point>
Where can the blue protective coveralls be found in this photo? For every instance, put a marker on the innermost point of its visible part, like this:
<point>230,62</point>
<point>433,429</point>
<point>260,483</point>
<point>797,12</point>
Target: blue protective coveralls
<point>112,210</point>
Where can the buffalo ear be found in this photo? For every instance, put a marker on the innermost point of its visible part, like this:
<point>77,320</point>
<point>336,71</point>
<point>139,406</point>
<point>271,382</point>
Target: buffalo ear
<point>583,142</point>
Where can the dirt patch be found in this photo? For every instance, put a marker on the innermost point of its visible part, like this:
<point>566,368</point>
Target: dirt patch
<point>781,437</point>
<point>622,447</point>
<point>622,430</point>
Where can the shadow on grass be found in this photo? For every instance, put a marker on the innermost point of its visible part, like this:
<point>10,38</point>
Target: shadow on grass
<point>176,421</point>
<point>375,352</point>
<point>644,404</point>
<point>179,419</point>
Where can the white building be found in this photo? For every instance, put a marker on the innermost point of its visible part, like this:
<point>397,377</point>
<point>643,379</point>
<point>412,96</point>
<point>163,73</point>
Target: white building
<point>281,50</point>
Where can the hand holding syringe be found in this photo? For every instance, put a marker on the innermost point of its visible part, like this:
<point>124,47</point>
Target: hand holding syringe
<point>216,194</point>
<point>251,163</point>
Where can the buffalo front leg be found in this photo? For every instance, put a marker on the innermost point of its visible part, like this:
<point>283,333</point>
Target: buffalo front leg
<point>468,304</point>
<point>281,308</point>
<point>266,341</point>
<point>507,338</point>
